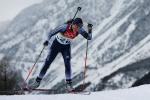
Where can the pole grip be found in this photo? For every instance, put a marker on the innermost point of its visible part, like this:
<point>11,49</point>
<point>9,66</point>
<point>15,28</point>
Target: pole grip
<point>79,8</point>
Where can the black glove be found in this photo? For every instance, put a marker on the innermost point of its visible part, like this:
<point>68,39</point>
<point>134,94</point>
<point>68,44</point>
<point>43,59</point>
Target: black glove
<point>89,28</point>
<point>45,43</point>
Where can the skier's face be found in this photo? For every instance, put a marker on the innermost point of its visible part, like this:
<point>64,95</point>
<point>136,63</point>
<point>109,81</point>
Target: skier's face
<point>75,27</point>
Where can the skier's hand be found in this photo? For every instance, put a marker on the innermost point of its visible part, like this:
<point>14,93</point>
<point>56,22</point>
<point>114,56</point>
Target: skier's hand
<point>89,28</point>
<point>45,43</point>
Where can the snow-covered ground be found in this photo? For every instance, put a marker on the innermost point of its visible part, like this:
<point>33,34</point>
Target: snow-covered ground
<point>137,93</point>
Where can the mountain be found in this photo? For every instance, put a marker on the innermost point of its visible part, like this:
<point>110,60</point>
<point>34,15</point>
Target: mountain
<point>116,53</point>
<point>3,26</point>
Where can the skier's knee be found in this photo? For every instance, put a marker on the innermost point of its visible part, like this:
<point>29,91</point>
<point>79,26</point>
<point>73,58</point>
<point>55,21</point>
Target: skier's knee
<point>67,59</point>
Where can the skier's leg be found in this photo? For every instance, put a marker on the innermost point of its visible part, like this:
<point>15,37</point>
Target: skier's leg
<point>54,49</point>
<point>66,53</point>
<point>50,58</point>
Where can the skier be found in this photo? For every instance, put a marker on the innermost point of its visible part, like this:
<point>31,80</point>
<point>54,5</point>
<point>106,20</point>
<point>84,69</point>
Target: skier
<point>62,43</point>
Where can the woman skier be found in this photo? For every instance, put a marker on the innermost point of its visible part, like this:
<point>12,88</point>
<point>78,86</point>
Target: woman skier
<point>62,44</point>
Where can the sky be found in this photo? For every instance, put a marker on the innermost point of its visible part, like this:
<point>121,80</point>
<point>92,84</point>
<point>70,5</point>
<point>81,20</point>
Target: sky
<point>10,8</point>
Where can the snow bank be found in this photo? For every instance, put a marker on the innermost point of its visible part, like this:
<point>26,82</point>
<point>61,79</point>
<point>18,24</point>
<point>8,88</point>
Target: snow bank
<point>137,93</point>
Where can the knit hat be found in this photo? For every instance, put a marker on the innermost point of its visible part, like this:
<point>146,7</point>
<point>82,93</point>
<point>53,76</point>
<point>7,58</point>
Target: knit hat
<point>78,21</point>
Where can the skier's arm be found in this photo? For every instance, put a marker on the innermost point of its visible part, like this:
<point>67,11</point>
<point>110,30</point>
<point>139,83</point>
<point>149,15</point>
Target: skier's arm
<point>58,29</point>
<point>87,35</point>
<point>53,32</point>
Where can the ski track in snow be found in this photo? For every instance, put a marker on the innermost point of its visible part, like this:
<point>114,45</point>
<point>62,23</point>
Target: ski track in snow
<point>137,93</point>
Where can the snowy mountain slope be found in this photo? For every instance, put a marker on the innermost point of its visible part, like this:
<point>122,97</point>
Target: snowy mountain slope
<point>125,77</point>
<point>138,93</point>
<point>18,42</point>
<point>137,52</point>
<point>120,38</point>
<point>3,26</point>
<point>26,24</point>
<point>118,51</point>
<point>143,80</point>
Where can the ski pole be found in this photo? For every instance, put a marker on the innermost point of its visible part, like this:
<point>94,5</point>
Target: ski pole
<point>85,64</point>
<point>87,43</point>
<point>34,64</point>
<point>78,9</point>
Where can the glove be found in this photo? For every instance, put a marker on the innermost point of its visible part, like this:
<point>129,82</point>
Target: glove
<point>45,43</point>
<point>89,28</point>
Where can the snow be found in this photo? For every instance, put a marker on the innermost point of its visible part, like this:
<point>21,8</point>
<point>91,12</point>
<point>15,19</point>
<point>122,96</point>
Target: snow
<point>1,56</point>
<point>137,93</point>
<point>29,29</point>
<point>117,6</point>
<point>106,70</point>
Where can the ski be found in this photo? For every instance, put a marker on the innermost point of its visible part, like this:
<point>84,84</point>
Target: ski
<point>44,90</point>
<point>84,92</point>
<point>80,89</point>
<point>12,92</point>
<point>22,91</point>
<point>52,90</point>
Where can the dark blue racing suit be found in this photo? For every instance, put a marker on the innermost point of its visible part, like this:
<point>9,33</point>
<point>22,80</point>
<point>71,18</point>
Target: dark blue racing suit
<point>61,45</point>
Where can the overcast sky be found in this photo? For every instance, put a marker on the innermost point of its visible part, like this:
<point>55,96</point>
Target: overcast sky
<point>10,8</point>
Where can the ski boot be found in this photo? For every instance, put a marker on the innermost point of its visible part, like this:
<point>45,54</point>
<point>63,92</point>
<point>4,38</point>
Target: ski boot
<point>36,83</point>
<point>69,86</point>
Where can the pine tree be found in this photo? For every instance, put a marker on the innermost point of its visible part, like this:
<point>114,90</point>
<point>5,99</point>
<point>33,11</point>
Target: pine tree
<point>10,77</point>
